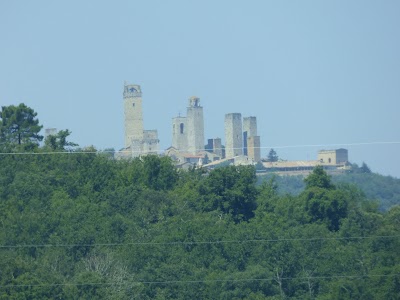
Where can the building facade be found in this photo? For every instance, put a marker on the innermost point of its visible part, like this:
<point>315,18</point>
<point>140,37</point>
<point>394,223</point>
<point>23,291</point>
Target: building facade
<point>188,132</point>
<point>233,135</point>
<point>249,130</point>
<point>195,126</point>
<point>137,140</point>
<point>215,146</point>
<point>253,148</point>
<point>179,133</point>
<point>333,157</point>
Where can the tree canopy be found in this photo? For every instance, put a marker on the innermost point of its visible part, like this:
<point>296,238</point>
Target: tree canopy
<point>59,141</point>
<point>79,224</point>
<point>272,156</point>
<point>19,126</point>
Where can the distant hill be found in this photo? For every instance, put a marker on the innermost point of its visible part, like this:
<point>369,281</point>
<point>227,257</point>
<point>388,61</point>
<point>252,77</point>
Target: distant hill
<point>384,189</point>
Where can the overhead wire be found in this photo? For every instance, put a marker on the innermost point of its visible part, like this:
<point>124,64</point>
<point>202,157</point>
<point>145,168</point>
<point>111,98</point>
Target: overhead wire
<point>198,242</point>
<point>195,281</point>
<point>89,151</point>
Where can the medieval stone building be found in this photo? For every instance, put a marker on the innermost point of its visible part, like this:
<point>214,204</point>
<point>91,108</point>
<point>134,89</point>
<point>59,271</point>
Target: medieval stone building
<point>233,135</point>
<point>137,140</point>
<point>241,140</point>
<point>333,157</point>
<point>188,132</point>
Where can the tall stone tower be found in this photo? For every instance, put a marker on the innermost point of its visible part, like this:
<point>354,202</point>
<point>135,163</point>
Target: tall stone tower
<point>254,148</point>
<point>249,129</point>
<point>133,114</point>
<point>179,133</point>
<point>195,126</point>
<point>137,140</point>
<point>233,135</point>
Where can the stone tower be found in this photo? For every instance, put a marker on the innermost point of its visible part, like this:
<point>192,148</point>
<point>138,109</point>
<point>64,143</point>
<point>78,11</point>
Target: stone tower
<point>254,148</point>
<point>133,114</point>
<point>195,126</point>
<point>137,140</point>
<point>233,135</point>
<point>249,130</point>
<point>179,133</point>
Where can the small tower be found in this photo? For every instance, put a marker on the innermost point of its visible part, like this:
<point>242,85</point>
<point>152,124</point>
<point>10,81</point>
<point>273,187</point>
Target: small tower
<point>195,126</point>
<point>233,135</point>
<point>133,114</point>
<point>249,130</point>
<point>179,133</point>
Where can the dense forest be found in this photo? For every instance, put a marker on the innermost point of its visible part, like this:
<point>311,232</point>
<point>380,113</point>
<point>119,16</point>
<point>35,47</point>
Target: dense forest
<point>78,224</point>
<point>385,190</point>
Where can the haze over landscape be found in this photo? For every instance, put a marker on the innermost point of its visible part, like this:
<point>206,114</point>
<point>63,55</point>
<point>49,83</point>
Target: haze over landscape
<point>313,73</point>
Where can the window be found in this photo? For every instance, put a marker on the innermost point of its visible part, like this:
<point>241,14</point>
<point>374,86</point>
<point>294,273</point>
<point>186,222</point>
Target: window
<point>181,128</point>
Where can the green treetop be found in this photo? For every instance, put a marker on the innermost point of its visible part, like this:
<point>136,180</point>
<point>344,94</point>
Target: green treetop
<point>19,126</point>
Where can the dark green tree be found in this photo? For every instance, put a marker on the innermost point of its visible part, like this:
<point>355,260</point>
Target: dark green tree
<point>319,178</point>
<point>231,190</point>
<point>323,202</point>
<point>159,172</point>
<point>19,125</point>
<point>59,141</point>
<point>272,156</point>
<point>364,168</point>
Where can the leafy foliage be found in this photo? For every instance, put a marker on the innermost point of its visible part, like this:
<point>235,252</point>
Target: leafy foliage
<point>19,126</point>
<point>81,225</point>
<point>126,223</point>
<point>59,141</point>
<point>272,156</point>
<point>384,190</point>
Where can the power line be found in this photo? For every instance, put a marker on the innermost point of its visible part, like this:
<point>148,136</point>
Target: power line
<point>197,242</point>
<point>200,150</point>
<point>195,281</point>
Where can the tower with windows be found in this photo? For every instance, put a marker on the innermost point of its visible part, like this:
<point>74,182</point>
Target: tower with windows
<point>137,140</point>
<point>195,126</point>
<point>133,114</point>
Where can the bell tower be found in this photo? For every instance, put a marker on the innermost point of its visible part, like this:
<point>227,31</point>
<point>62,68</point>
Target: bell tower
<point>133,113</point>
<point>195,126</point>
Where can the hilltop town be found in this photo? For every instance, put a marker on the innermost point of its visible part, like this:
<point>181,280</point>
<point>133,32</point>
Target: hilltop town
<point>188,148</point>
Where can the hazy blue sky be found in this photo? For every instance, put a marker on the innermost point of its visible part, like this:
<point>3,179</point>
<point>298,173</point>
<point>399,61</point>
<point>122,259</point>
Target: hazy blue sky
<point>312,72</point>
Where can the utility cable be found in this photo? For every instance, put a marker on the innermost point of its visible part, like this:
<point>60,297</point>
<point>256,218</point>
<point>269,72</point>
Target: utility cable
<point>200,150</point>
<point>195,281</point>
<point>198,242</point>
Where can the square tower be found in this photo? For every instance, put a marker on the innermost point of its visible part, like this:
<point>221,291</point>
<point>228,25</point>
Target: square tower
<point>253,148</point>
<point>333,157</point>
<point>233,135</point>
<point>195,126</point>
<point>215,146</point>
<point>133,113</point>
<point>179,133</point>
<point>249,129</point>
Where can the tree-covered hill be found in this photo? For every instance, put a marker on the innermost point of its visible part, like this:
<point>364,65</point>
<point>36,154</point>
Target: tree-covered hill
<point>79,225</point>
<point>384,189</point>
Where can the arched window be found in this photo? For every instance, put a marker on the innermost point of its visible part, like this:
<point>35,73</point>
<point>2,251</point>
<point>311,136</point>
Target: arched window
<point>181,128</point>
<point>329,160</point>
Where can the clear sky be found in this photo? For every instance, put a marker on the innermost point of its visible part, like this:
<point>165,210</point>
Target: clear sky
<point>312,72</point>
